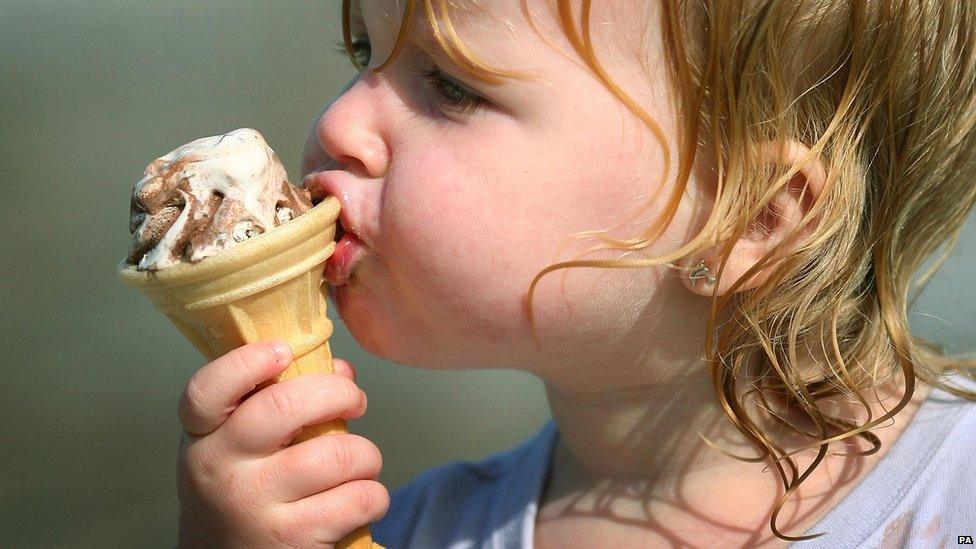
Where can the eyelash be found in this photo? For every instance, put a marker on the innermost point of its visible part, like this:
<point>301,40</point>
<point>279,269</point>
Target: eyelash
<point>449,94</point>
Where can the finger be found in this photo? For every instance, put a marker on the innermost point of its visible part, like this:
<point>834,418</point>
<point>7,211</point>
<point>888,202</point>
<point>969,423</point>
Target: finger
<point>274,416</point>
<point>344,368</point>
<point>215,390</point>
<point>318,464</point>
<point>329,516</point>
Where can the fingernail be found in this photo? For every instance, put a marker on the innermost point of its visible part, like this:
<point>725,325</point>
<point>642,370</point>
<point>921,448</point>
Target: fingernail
<point>281,351</point>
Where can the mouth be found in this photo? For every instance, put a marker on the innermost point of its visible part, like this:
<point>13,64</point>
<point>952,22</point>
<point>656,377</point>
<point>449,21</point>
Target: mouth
<point>323,184</point>
<point>349,251</point>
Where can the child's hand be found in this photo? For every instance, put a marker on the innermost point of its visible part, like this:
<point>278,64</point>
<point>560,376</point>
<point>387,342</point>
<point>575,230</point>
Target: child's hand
<point>241,485</point>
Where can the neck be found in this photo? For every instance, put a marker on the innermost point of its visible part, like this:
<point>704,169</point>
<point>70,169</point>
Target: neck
<point>638,448</point>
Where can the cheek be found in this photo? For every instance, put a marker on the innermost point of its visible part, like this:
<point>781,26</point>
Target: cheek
<point>466,227</point>
<point>445,220</point>
<point>457,266</point>
<point>511,207</point>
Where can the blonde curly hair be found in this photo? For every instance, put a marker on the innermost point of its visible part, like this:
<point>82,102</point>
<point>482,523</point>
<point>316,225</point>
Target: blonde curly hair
<point>883,93</point>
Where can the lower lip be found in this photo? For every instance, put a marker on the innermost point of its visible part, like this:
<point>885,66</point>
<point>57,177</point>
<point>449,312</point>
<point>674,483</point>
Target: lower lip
<point>349,250</point>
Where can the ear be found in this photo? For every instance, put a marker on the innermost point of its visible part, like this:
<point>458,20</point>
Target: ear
<point>781,215</point>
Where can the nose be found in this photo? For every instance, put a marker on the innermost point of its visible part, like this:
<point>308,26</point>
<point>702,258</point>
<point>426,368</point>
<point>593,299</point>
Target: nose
<point>349,134</point>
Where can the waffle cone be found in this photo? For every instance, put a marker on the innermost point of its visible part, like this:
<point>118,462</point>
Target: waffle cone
<point>267,287</point>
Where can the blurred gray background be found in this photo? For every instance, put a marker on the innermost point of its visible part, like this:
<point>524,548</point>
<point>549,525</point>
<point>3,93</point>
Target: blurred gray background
<point>89,94</point>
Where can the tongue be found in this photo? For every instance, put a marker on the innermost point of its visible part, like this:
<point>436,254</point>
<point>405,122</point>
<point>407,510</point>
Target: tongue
<point>339,266</point>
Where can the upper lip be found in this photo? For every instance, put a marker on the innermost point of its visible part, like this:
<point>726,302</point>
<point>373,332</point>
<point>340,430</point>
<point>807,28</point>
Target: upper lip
<point>326,182</point>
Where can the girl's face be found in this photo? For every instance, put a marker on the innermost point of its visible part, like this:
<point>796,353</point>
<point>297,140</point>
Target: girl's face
<point>460,210</point>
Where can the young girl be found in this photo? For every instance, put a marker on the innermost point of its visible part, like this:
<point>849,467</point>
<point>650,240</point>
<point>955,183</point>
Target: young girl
<point>751,186</point>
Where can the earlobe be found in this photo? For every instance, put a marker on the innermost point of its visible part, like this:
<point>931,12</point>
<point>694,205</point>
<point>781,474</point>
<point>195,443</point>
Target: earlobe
<point>699,276</point>
<point>783,213</point>
<point>701,272</point>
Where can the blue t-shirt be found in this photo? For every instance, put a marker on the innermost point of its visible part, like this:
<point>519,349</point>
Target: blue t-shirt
<point>920,495</point>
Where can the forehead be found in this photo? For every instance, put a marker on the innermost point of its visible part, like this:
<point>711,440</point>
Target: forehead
<point>460,12</point>
<point>457,21</point>
<point>504,28</point>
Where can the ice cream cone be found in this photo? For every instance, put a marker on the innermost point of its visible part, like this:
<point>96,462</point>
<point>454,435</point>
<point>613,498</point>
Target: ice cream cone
<point>269,286</point>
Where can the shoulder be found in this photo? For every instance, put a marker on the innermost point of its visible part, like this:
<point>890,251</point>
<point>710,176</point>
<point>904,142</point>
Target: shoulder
<point>920,494</point>
<point>949,474</point>
<point>939,505</point>
<point>451,489</point>
<point>450,503</point>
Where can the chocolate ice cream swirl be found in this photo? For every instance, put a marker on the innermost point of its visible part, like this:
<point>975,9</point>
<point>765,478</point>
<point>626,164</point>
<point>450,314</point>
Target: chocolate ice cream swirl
<point>207,196</point>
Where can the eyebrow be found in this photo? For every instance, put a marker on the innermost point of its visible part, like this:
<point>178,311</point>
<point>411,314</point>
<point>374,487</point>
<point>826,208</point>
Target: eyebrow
<point>418,35</point>
<point>423,38</point>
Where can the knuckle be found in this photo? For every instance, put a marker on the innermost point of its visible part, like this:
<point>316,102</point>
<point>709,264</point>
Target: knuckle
<point>189,472</point>
<point>304,463</point>
<point>245,358</point>
<point>385,501</point>
<point>372,498</point>
<point>248,360</point>
<point>368,451</point>
<point>215,480</point>
<point>192,402</point>
<point>365,499</point>
<point>352,395</point>
<point>268,476</point>
<point>345,388</point>
<point>280,538</point>
<point>340,454</point>
<point>200,460</point>
<point>282,401</point>
<point>376,457</point>
<point>304,527</point>
<point>286,533</point>
<point>235,486</point>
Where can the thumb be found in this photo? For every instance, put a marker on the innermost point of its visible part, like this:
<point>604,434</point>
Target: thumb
<point>343,368</point>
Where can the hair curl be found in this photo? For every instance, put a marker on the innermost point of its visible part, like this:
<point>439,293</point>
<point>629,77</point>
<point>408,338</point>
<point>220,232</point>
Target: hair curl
<point>884,94</point>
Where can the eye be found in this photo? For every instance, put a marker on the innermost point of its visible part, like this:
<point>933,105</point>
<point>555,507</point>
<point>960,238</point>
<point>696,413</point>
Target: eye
<point>447,93</point>
<point>359,51</point>
<point>451,95</point>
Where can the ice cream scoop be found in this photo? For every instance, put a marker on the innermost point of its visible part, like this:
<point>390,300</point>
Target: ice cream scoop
<point>209,195</point>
